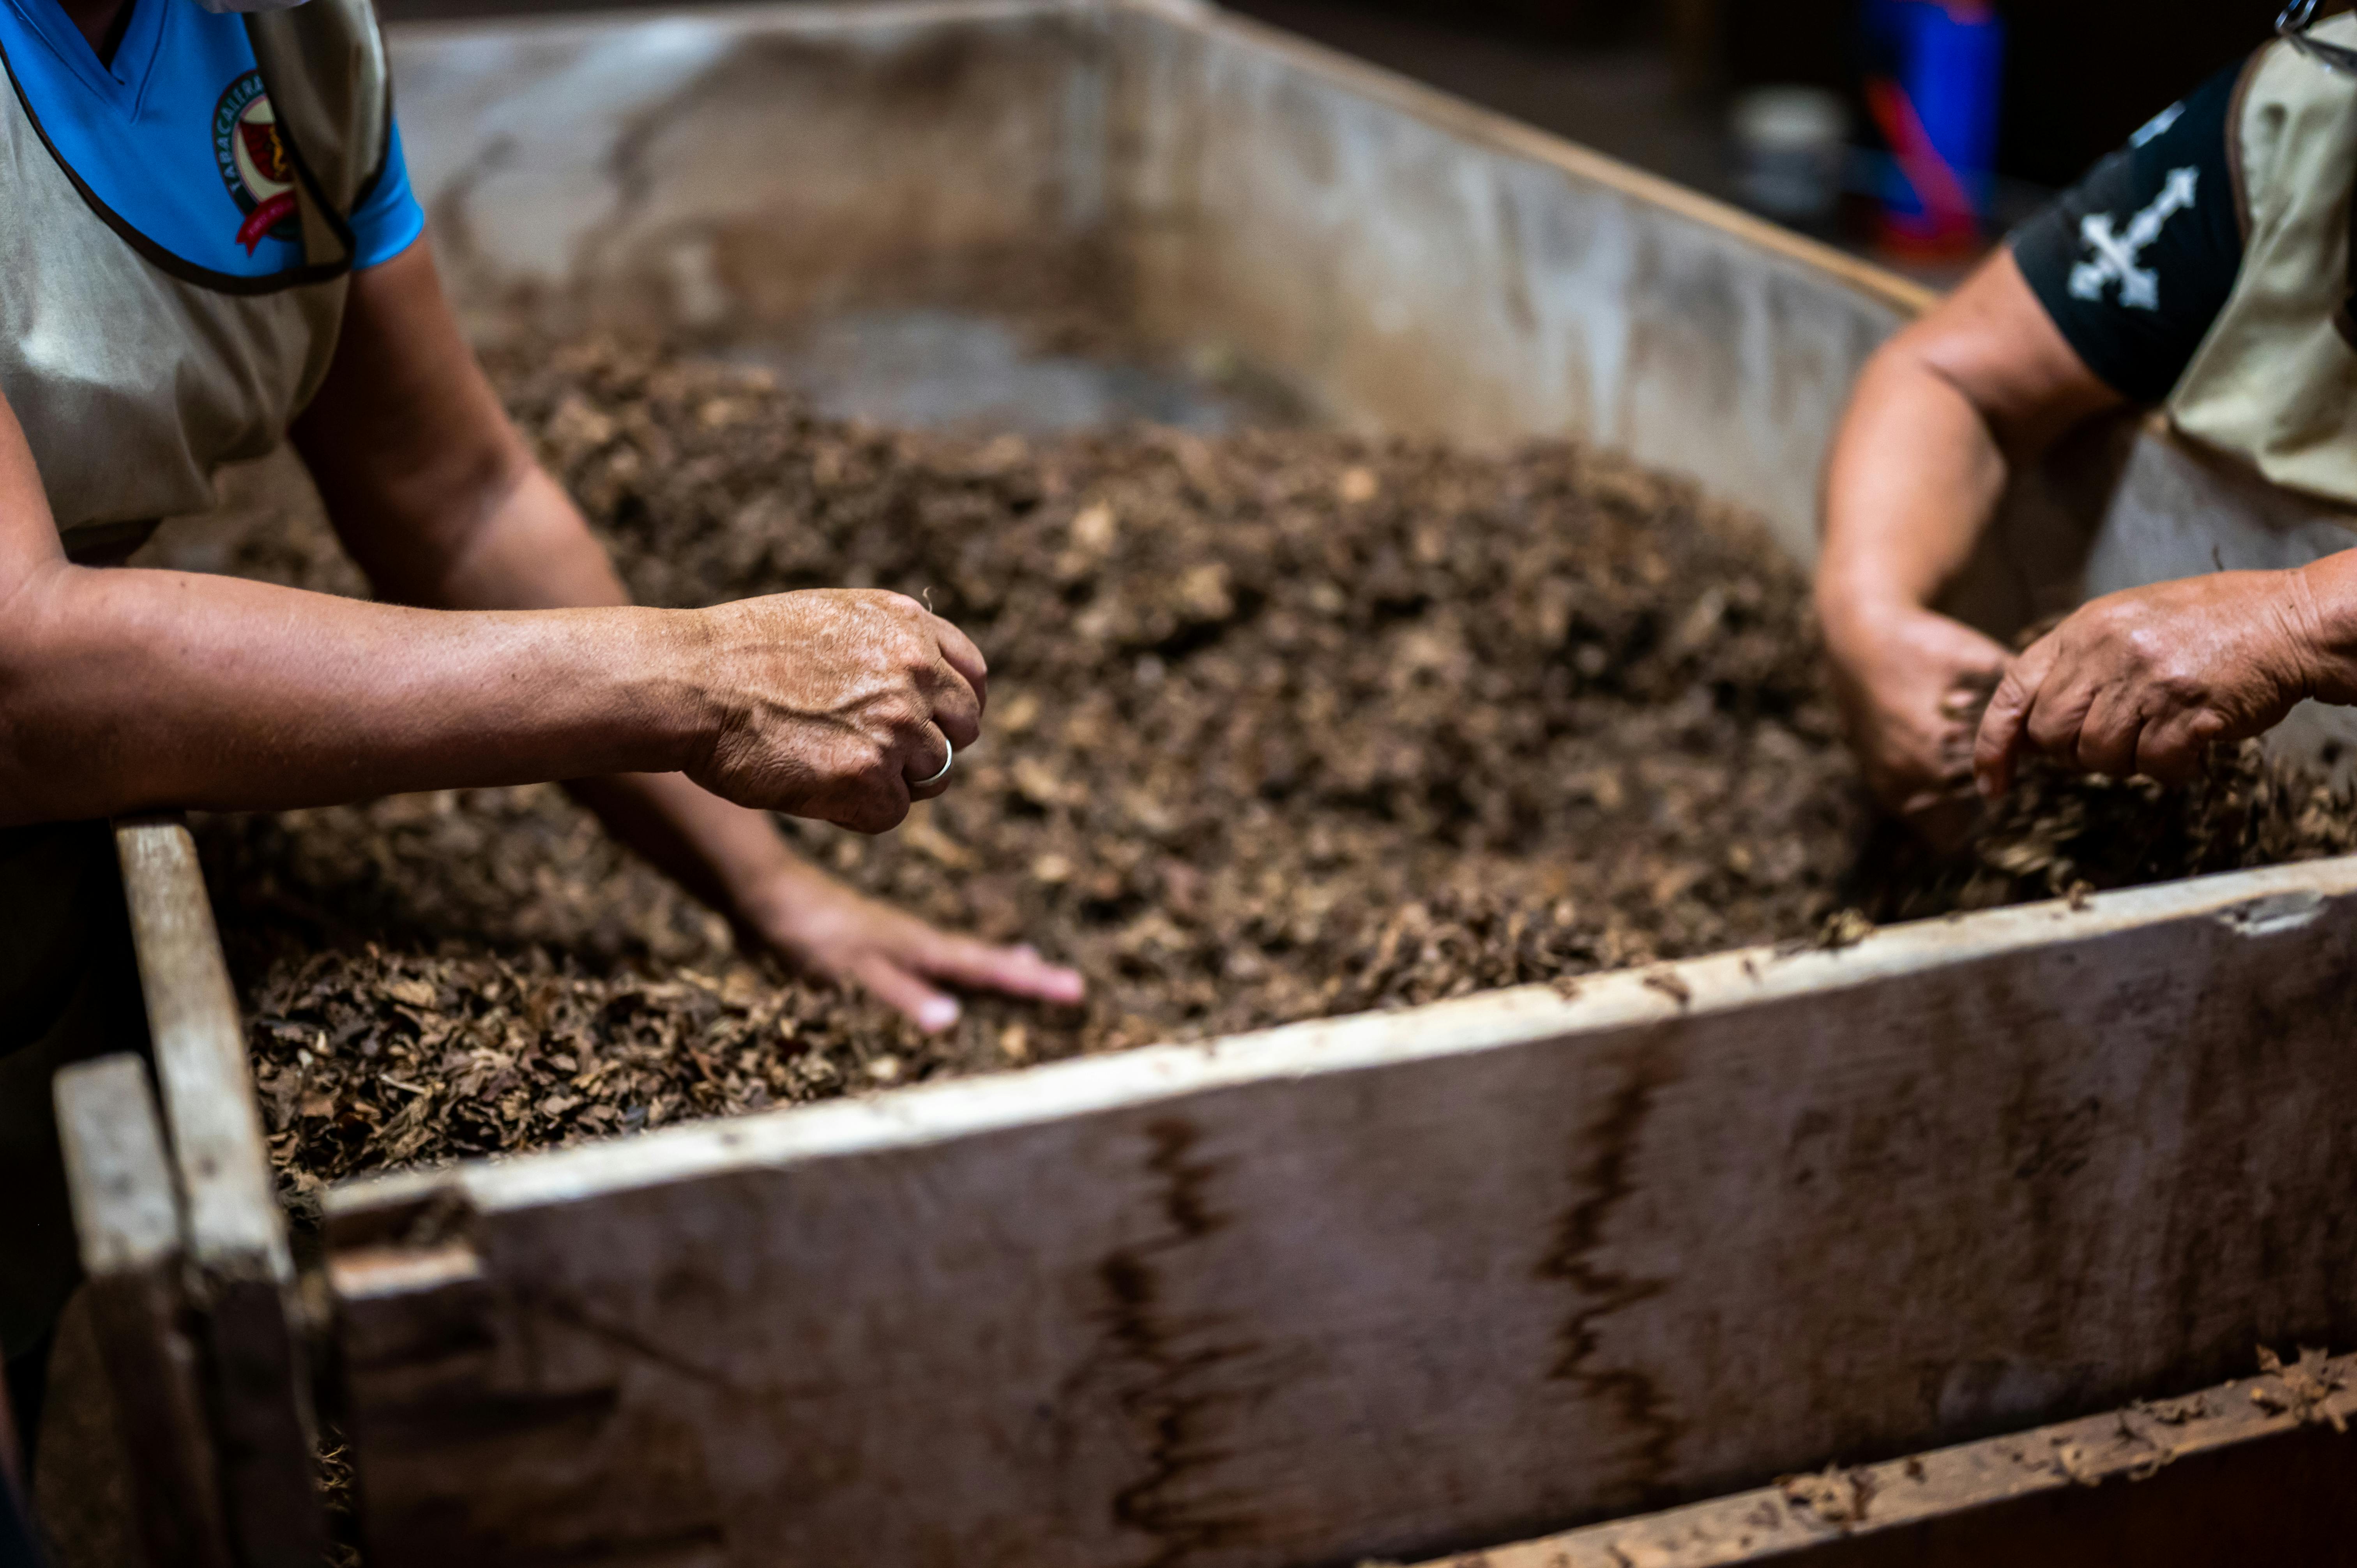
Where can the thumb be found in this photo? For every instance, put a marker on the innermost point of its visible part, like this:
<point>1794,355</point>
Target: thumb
<point>2003,725</point>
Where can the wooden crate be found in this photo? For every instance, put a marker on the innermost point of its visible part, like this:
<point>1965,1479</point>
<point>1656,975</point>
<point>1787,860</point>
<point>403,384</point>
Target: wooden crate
<point>1377,1287</point>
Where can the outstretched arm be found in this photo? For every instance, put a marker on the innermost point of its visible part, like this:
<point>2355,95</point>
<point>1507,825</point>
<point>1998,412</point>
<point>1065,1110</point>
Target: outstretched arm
<point>435,493</point>
<point>1943,415</point>
<point>123,689</point>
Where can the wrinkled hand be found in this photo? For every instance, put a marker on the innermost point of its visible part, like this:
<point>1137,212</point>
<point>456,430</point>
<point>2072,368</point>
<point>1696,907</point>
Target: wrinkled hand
<point>1912,684</point>
<point>833,704</point>
<point>830,930</point>
<point>2144,682</point>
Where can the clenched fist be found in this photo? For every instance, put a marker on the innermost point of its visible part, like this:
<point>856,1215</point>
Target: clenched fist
<point>1911,685</point>
<point>834,704</point>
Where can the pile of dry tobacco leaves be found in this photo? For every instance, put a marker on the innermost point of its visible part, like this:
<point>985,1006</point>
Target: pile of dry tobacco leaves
<point>1282,725</point>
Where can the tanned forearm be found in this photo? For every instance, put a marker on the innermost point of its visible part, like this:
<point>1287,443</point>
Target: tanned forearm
<point>1944,413</point>
<point>532,549</point>
<point>1941,418</point>
<point>1914,477</point>
<point>126,688</point>
<point>437,498</point>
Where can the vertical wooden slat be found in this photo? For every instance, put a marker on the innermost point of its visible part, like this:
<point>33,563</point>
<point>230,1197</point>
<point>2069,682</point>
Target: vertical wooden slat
<point>243,1272</point>
<point>126,1214</point>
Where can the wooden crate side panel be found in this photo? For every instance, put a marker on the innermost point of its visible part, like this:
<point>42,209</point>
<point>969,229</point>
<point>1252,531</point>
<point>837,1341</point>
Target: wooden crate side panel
<point>736,174</point>
<point>1422,266</point>
<point>1378,1288</point>
<point>2257,1470</point>
<point>1404,261</point>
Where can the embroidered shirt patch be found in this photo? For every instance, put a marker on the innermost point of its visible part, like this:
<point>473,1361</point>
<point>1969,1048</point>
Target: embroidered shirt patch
<point>251,158</point>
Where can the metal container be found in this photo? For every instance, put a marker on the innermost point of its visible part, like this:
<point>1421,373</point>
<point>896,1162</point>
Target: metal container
<point>1374,1287</point>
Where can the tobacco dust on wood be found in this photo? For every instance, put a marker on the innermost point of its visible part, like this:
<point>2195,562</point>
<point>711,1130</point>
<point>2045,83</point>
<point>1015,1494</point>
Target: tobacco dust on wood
<point>1282,725</point>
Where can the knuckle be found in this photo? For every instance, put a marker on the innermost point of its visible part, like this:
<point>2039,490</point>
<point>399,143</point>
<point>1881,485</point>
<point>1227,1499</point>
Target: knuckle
<point>2145,648</point>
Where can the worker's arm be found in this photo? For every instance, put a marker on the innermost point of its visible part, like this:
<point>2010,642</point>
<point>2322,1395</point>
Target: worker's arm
<point>1943,415</point>
<point>2139,681</point>
<point>2103,297</point>
<point>122,689</point>
<point>435,493</point>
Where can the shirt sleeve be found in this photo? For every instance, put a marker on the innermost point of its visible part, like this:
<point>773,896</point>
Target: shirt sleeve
<point>2135,260</point>
<point>387,220</point>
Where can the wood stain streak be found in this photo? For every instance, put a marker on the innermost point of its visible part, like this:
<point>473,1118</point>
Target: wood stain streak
<point>1605,1175</point>
<point>570,1312</point>
<point>1177,1401</point>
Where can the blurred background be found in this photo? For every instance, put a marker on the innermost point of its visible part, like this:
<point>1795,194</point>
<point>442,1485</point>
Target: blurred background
<point>1915,130</point>
<point>1709,92</point>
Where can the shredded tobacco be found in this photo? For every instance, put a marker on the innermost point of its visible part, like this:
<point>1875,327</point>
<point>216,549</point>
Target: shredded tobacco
<point>1282,725</point>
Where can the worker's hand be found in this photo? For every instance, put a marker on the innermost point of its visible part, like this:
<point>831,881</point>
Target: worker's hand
<point>1912,684</point>
<point>830,931</point>
<point>834,704</point>
<point>2144,682</point>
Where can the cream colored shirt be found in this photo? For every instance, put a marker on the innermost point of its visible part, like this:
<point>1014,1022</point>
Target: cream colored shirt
<point>2275,381</point>
<point>134,379</point>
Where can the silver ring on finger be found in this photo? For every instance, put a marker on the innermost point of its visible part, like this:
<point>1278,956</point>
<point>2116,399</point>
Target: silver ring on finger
<point>947,763</point>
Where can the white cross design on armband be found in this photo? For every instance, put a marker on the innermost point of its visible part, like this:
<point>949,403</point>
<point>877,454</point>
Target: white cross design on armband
<point>2114,256</point>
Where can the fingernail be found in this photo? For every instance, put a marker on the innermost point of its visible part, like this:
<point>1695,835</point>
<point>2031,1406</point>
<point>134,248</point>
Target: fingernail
<point>938,1013</point>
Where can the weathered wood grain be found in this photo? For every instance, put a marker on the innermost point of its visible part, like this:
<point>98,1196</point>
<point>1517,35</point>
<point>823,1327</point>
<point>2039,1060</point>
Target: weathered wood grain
<point>243,1275</point>
<point>1423,266</point>
<point>127,1214</point>
<point>233,1215</point>
<point>1390,1284</point>
<point>2259,1470</point>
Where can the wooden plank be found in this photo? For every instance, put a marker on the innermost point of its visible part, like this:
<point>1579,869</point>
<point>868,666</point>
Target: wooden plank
<point>1386,1285</point>
<point>939,143</point>
<point>234,1223</point>
<point>1406,260</point>
<point>236,1234</point>
<point>1473,124</point>
<point>127,1217</point>
<point>1418,264</point>
<point>2258,1470</point>
<point>1423,266</point>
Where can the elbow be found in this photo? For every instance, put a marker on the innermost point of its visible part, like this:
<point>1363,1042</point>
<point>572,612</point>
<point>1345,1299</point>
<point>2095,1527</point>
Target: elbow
<point>44,763</point>
<point>417,536</point>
